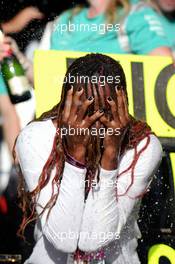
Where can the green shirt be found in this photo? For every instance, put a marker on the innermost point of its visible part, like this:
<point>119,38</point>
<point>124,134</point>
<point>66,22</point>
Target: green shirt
<point>168,26</point>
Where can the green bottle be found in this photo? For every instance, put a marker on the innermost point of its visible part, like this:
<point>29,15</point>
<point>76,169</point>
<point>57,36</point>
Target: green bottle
<point>15,79</point>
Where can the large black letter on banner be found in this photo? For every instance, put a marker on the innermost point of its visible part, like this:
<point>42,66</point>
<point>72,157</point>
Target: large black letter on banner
<point>69,61</point>
<point>160,95</point>
<point>138,90</point>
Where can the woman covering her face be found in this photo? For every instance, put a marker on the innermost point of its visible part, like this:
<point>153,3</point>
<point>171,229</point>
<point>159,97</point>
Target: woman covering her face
<point>86,164</point>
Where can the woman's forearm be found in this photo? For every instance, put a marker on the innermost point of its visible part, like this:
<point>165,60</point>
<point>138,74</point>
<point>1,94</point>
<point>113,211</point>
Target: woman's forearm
<point>109,159</point>
<point>21,20</point>
<point>63,225</point>
<point>11,129</point>
<point>100,218</point>
<point>11,123</point>
<point>60,227</point>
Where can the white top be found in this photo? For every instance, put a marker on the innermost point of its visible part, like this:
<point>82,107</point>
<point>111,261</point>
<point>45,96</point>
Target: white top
<point>101,221</point>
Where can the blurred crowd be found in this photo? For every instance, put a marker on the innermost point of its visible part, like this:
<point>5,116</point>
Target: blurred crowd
<point>146,27</point>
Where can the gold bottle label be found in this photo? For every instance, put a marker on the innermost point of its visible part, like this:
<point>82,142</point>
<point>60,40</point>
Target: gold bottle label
<point>18,85</point>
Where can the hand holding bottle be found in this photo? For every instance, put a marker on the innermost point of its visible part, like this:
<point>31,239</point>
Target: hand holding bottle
<point>6,44</point>
<point>12,71</point>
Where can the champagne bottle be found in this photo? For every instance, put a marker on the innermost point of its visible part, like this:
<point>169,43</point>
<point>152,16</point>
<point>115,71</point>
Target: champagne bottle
<point>17,83</point>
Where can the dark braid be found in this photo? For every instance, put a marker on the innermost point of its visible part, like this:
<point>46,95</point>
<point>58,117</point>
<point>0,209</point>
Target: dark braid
<point>89,65</point>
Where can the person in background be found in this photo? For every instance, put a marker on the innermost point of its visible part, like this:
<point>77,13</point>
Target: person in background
<point>166,11</point>
<point>11,127</point>
<point>134,35</point>
<point>11,123</point>
<point>13,118</point>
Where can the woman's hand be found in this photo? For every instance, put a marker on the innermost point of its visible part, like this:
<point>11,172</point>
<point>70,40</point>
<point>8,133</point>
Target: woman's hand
<point>4,48</point>
<point>75,128</point>
<point>119,123</point>
<point>8,44</point>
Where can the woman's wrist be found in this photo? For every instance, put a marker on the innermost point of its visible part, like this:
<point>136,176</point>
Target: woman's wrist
<point>71,160</point>
<point>78,155</point>
<point>109,160</point>
<point>76,158</point>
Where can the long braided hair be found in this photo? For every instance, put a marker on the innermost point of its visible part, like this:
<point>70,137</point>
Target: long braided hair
<point>89,65</point>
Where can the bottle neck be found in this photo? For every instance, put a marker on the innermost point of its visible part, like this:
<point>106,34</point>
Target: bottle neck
<point>9,58</point>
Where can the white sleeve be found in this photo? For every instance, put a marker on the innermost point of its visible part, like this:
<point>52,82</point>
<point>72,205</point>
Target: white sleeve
<point>104,217</point>
<point>45,40</point>
<point>62,226</point>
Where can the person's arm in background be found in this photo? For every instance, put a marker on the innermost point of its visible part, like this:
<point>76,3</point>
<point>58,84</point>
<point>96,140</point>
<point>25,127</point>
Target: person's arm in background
<point>11,125</point>
<point>163,51</point>
<point>21,20</point>
<point>146,33</point>
<point>10,120</point>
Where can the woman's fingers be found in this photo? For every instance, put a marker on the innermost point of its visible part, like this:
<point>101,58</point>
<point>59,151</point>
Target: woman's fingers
<point>104,120</point>
<point>96,105</point>
<point>89,120</point>
<point>126,105</point>
<point>68,104</point>
<point>114,109</point>
<point>75,104</point>
<point>121,107</point>
<point>84,108</point>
